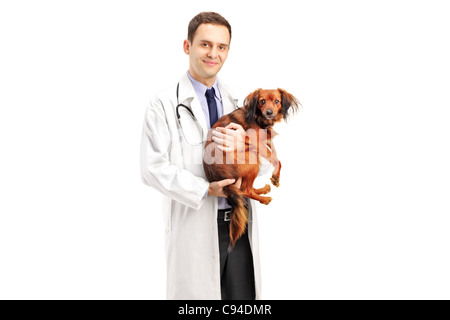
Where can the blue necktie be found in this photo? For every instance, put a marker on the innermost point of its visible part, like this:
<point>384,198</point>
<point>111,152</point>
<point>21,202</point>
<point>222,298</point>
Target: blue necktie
<point>212,105</point>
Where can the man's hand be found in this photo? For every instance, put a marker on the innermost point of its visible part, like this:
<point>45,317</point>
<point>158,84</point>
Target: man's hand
<point>230,138</point>
<point>216,187</point>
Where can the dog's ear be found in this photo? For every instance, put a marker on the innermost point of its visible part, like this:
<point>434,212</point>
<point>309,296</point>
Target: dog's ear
<point>288,103</point>
<point>251,105</point>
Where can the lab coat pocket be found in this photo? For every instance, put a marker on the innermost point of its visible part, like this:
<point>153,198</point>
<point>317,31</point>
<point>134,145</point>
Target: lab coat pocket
<point>193,159</point>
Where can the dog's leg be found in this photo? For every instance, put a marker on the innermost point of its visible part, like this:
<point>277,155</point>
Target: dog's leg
<point>264,190</point>
<point>275,179</point>
<point>270,155</point>
<point>276,174</point>
<point>248,177</point>
<point>253,195</point>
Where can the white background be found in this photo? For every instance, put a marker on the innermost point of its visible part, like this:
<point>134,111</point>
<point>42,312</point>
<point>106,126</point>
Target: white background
<point>363,207</point>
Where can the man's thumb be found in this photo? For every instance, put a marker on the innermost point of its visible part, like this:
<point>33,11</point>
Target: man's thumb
<point>227,182</point>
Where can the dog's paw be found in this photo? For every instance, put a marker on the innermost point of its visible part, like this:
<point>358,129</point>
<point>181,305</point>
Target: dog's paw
<point>275,180</point>
<point>266,200</point>
<point>266,189</point>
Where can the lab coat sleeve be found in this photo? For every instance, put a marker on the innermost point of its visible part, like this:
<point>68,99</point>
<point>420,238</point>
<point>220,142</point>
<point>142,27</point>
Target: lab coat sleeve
<point>157,170</point>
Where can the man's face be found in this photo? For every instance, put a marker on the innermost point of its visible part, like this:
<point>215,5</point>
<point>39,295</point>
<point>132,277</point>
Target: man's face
<point>207,52</point>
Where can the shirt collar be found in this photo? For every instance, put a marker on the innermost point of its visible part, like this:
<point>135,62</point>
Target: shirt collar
<point>200,88</point>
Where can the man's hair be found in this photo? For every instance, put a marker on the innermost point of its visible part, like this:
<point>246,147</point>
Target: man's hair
<point>206,17</point>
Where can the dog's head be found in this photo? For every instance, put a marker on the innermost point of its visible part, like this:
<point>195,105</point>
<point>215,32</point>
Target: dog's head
<point>266,107</point>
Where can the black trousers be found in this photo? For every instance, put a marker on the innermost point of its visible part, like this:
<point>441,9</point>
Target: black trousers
<point>237,279</point>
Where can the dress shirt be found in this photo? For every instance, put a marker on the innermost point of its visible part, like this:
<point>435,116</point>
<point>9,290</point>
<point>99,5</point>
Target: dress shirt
<point>200,89</point>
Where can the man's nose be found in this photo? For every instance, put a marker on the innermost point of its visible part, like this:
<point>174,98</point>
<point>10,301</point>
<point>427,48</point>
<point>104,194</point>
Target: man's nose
<point>212,52</point>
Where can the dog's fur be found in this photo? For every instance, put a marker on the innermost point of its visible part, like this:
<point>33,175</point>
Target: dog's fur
<point>261,110</point>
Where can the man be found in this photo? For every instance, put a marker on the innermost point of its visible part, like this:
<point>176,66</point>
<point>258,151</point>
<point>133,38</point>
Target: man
<point>196,213</point>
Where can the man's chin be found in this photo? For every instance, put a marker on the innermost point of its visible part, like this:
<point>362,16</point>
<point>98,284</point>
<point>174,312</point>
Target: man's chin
<point>211,72</point>
<point>208,73</point>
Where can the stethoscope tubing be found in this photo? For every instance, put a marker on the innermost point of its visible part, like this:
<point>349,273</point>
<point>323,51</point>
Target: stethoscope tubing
<point>192,115</point>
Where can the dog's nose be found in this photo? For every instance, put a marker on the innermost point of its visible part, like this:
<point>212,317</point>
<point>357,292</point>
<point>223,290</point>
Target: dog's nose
<point>269,112</point>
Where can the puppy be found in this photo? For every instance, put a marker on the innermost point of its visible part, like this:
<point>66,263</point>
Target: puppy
<point>261,110</point>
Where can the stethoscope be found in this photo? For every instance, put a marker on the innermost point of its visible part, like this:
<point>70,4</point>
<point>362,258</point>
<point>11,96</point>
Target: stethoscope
<point>193,118</point>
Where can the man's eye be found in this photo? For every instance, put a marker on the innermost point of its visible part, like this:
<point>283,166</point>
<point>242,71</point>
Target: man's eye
<point>205,44</point>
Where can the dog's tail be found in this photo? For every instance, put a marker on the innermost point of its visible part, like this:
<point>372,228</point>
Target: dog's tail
<point>238,215</point>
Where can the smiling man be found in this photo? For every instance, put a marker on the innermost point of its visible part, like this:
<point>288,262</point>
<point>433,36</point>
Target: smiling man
<point>195,211</point>
<point>207,57</point>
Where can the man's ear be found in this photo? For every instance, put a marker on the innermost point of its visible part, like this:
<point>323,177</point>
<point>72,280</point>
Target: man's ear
<point>187,46</point>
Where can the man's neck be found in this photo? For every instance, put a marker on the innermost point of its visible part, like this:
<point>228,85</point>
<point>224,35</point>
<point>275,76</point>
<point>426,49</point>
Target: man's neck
<point>206,81</point>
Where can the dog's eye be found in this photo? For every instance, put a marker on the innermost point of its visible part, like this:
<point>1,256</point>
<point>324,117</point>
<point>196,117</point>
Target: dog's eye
<point>277,101</point>
<point>262,102</point>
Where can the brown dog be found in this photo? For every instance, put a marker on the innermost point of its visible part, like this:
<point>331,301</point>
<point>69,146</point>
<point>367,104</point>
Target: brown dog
<point>261,110</point>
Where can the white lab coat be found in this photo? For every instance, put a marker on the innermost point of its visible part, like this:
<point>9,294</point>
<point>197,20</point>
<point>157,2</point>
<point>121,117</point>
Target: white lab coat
<point>172,166</point>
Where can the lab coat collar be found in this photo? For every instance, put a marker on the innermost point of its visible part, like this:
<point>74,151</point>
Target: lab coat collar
<point>229,103</point>
<point>188,96</point>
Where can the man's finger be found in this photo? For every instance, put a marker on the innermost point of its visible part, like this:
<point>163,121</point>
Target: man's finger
<point>219,141</point>
<point>226,149</point>
<point>233,125</point>
<point>219,129</point>
<point>231,132</point>
<point>224,136</point>
<point>217,133</point>
<point>238,183</point>
<point>228,131</point>
<point>226,182</point>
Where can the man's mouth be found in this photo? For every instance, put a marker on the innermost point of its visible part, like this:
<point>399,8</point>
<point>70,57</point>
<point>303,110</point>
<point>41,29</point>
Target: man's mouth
<point>211,63</point>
